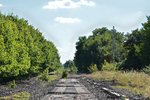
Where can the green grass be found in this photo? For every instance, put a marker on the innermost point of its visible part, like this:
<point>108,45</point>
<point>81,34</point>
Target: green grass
<point>53,77</point>
<point>137,82</point>
<point>17,96</point>
<point>48,78</point>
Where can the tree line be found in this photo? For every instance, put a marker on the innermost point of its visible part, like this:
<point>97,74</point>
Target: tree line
<point>128,51</point>
<point>23,49</point>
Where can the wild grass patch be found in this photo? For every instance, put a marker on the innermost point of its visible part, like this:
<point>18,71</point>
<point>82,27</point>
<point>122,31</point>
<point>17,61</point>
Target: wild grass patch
<point>137,82</point>
<point>17,96</point>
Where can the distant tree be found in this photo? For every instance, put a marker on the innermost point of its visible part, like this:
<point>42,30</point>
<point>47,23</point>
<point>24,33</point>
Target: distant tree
<point>133,48</point>
<point>97,48</point>
<point>146,43</point>
<point>69,65</point>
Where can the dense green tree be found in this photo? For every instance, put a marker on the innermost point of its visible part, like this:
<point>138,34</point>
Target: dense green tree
<point>97,48</point>
<point>133,49</point>
<point>145,56</point>
<point>23,49</point>
<point>137,46</point>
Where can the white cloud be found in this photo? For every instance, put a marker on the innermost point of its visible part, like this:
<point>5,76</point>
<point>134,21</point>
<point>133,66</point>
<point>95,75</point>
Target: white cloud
<point>1,5</point>
<point>86,3</point>
<point>68,4</point>
<point>67,20</point>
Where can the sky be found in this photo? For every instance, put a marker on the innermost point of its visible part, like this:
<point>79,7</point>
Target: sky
<point>63,21</point>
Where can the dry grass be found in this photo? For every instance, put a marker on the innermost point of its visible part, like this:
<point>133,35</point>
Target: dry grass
<point>133,81</point>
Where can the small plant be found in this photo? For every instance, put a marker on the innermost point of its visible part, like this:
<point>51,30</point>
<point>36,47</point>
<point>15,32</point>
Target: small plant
<point>147,69</point>
<point>44,75</point>
<point>108,66</point>
<point>92,68</point>
<point>64,74</point>
<point>12,84</point>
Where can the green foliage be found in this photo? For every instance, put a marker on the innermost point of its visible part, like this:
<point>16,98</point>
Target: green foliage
<point>73,70</point>
<point>44,76</point>
<point>12,84</point>
<point>64,74</point>
<point>70,66</point>
<point>145,50</point>
<point>131,51</point>
<point>92,68</point>
<point>59,71</point>
<point>147,69</point>
<point>97,48</point>
<point>17,96</point>
<point>133,48</point>
<point>108,66</point>
<point>137,46</point>
<point>23,49</point>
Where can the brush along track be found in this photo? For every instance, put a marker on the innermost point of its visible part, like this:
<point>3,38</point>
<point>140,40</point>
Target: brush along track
<point>103,90</point>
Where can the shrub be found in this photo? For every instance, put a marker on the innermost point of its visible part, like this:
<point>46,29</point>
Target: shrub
<point>108,66</point>
<point>147,69</point>
<point>92,68</point>
<point>44,75</point>
<point>73,70</point>
<point>12,84</point>
<point>64,74</point>
<point>59,71</point>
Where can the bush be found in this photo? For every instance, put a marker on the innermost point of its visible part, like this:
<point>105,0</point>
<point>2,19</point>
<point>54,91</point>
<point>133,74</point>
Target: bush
<point>73,70</point>
<point>108,66</point>
<point>59,71</point>
<point>12,84</point>
<point>147,69</point>
<point>44,75</point>
<point>64,74</point>
<point>92,68</point>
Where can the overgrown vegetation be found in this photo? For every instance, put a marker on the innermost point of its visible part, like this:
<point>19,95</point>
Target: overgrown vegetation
<point>137,82</point>
<point>17,96</point>
<point>46,77</point>
<point>108,66</point>
<point>147,69</point>
<point>70,67</point>
<point>113,50</point>
<point>65,74</point>
<point>97,48</point>
<point>12,84</point>
<point>23,49</point>
<point>92,68</point>
<point>119,57</point>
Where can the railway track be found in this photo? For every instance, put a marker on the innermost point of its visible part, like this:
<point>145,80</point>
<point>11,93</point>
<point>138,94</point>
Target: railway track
<point>69,89</point>
<point>81,88</point>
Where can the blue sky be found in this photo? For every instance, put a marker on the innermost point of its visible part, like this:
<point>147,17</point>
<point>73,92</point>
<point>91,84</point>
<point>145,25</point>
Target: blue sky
<point>63,21</point>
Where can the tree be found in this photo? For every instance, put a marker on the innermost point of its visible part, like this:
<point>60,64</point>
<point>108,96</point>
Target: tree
<point>97,48</point>
<point>23,49</point>
<point>133,48</point>
<point>145,56</point>
<point>69,65</point>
